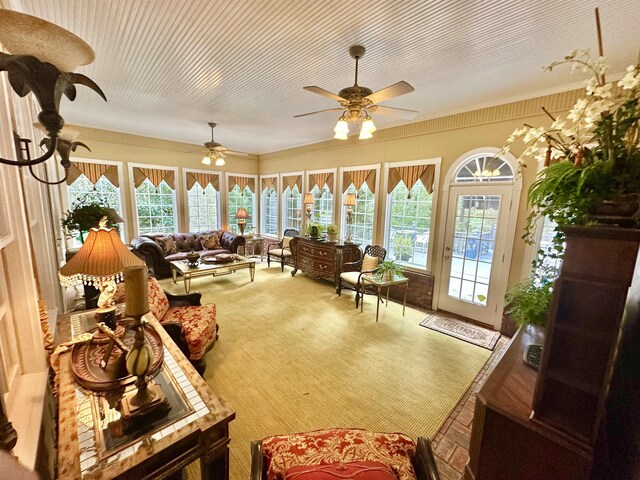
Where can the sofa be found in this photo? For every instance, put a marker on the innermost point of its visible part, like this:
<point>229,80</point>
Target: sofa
<point>158,249</point>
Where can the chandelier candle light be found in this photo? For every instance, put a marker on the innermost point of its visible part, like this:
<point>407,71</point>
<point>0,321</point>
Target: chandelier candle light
<point>349,202</point>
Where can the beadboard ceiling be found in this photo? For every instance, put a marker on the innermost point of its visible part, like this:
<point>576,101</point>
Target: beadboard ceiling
<point>168,67</point>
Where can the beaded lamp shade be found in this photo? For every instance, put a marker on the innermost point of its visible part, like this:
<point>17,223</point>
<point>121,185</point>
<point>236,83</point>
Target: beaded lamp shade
<point>102,257</point>
<point>350,200</point>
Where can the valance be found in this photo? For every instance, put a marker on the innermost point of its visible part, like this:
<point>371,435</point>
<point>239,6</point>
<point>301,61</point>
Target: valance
<point>242,183</point>
<point>93,171</point>
<point>410,175</point>
<point>203,179</point>
<point>154,175</point>
<point>321,179</point>
<point>291,181</point>
<point>269,182</point>
<point>359,178</point>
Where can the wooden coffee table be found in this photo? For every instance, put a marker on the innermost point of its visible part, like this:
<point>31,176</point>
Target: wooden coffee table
<point>214,269</point>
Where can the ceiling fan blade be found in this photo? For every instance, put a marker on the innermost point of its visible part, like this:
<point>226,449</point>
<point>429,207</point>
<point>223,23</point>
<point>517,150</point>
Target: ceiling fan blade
<point>236,154</point>
<point>324,93</point>
<point>398,112</point>
<point>391,91</point>
<point>319,111</point>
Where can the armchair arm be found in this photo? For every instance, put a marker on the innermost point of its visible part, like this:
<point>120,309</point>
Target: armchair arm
<point>274,245</point>
<point>174,330</point>
<point>190,299</point>
<point>256,460</point>
<point>353,266</point>
<point>424,462</point>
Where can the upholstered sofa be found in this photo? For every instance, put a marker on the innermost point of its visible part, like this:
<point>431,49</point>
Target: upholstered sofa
<point>153,248</point>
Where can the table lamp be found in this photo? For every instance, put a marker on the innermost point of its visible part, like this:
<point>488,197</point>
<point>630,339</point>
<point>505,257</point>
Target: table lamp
<point>309,202</point>
<point>100,262</point>
<point>241,216</point>
<point>349,201</point>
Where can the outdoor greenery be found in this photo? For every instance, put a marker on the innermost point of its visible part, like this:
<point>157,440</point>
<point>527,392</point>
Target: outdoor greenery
<point>155,208</point>
<point>402,246</point>
<point>85,214</point>
<point>528,302</point>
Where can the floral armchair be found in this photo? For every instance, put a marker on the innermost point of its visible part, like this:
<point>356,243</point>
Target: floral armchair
<point>192,326</point>
<point>343,453</point>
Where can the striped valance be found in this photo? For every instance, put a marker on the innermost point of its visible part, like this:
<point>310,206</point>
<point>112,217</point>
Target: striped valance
<point>320,180</point>
<point>410,175</point>
<point>154,175</point>
<point>359,178</point>
<point>203,179</point>
<point>291,181</point>
<point>269,183</point>
<point>242,183</point>
<point>93,171</point>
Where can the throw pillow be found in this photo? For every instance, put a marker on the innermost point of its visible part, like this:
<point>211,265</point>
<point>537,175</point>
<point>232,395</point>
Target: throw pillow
<point>369,263</point>
<point>210,242</point>
<point>340,471</point>
<point>167,244</point>
<point>285,242</point>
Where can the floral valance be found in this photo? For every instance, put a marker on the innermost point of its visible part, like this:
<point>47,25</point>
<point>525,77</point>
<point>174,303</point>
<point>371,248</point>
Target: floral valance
<point>359,178</point>
<point>269,183</point>
<point>321,179</point>
<point>291,181</point>
<point>242,183</point>
<point>154,175</point>
<point>203,179</point>
<point>93,171</point>
<point>410,175</point>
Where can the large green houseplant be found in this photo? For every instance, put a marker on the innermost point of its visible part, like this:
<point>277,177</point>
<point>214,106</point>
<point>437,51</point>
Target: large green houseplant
<point>85,214</point>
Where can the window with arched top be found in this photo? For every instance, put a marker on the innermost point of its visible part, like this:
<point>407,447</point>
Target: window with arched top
<point>484,167</point>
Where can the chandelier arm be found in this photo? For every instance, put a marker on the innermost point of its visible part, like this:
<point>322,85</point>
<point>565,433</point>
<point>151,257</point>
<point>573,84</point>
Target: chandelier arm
<point>29,162</point>
<point>58,182</point>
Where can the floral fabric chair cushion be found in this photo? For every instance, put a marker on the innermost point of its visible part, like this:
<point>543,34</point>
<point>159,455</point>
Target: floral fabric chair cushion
<point>158,302</point>
<point>342,471</point>
<point>198,325</point>
<point>323,447</point>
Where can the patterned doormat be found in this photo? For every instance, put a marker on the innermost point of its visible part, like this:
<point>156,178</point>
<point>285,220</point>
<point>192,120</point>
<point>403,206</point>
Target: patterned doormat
<point>468,332</point>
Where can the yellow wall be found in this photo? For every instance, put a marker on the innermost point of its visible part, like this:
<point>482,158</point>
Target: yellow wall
<point>446,137</point>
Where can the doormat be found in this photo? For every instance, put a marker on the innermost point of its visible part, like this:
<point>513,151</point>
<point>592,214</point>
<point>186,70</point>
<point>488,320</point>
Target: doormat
<point>468,332</point>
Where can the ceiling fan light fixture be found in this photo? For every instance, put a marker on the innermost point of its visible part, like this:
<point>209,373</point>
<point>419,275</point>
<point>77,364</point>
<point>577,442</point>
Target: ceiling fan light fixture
<point>219,162</point>
<point>342,127</point>
<point>364,135</point>
<point>367,126</point>
<point>206,160</point>
<point>340,136</point>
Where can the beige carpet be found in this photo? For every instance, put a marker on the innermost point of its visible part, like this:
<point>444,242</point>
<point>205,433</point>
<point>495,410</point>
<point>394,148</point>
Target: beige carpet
<point>293,356</point>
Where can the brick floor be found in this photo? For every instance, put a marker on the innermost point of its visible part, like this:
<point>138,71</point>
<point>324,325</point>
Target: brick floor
<point>451,443</point>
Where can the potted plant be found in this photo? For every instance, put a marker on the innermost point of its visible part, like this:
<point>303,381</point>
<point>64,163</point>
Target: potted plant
<point>388,268</point>
<point>332,233</point>
<point>591,157</point>
<point>402,247</point>
<point>314,230</point>
<point>85,214</point>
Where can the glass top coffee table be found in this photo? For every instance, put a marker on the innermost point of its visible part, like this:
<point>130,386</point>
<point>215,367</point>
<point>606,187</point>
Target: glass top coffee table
<point>210,267</point>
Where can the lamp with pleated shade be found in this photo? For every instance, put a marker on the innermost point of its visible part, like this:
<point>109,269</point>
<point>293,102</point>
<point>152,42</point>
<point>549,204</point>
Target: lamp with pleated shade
<point>241,216</point>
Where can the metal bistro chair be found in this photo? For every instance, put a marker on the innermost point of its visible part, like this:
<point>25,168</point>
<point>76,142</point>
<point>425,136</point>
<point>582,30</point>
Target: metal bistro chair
<point>351,276</point>
<point>281,250</point>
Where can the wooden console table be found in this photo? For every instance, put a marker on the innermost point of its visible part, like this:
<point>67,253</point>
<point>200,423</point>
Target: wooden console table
<point>89,448</point>
<point>321,259</point>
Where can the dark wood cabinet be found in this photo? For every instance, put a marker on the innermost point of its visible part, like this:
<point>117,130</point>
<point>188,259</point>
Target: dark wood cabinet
<point>321,259</point>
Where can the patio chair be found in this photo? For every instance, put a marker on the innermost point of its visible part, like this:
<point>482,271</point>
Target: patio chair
<point>281,250</point>
<point>343,453</point>
<point>351,276</point>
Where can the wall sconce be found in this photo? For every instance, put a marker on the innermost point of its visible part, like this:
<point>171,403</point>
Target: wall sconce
<point>42,57</point>
<point>309,202</point>
<point>349,202</point>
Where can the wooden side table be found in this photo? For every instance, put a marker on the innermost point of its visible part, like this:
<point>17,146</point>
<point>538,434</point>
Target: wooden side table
<point>90,446</point>
<point>379,283</point>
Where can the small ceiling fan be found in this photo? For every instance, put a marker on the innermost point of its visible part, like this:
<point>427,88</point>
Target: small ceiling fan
<point>215,151</point>
<point>358,102</point>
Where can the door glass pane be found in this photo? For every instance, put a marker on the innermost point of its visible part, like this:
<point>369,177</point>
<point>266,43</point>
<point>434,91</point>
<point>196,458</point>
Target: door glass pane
<point>476,224</point>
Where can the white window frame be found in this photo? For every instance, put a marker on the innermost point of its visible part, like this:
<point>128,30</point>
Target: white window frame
<point>254,204</point>
<point>283,203</point>
<point>123,204</point>
<point>263,216</point>
<point>437,161</point>
<point>334,212</point>
<point>132,193</point>
<point>376,201</point>
<point>185,171</point>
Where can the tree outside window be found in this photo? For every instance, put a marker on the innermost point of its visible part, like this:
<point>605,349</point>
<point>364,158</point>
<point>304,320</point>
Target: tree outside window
<point>240,199</point>
<point>155,208</point>
<point>203,208</point>
<point>292,200</point>
<point>363,214</point>
<point>322,206</point>
<point>270,211</point>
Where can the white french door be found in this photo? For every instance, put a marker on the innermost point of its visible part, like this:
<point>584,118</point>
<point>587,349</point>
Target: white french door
<point>473,275</point>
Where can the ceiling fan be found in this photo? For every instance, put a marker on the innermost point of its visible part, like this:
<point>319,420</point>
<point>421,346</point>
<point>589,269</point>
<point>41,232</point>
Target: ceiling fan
<point>358,102</point>
<point>215,151</point>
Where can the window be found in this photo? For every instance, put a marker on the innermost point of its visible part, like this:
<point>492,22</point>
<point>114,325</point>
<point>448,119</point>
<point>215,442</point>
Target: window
<point>269,214</point>
<point>484,167</point>
<point>322,206</point>
<point>202,200</point>
<point>155,199</point>
<point>409,206</point>
<point>237,199</point>
<point>363,215</point>
<point>292,204</point>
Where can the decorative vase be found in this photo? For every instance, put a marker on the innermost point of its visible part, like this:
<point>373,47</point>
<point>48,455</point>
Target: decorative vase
<point>622,209</point>
<point>332,237</point>
<point>192,258</point>
<point>387,276</point>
